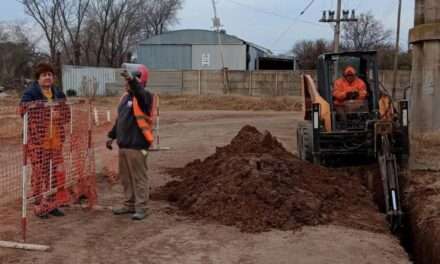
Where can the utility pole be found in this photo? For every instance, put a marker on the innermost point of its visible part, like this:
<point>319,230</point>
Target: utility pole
<point>217,26</point>
<point>337,21</point>
<point>397,51</point>
<point>337,27</point>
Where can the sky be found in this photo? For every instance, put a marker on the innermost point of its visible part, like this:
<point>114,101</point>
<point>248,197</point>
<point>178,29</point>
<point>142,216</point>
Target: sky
<point>273,24</point>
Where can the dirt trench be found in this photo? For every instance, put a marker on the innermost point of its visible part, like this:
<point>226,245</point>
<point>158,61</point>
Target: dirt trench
<point>420,194</point>
<point>255,184</point>
<point>422,206</point>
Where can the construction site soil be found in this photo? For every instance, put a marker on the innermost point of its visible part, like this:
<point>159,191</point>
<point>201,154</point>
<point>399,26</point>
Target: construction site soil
<point>254,183</point>
<point>355,234</point>
<point>422,204</point>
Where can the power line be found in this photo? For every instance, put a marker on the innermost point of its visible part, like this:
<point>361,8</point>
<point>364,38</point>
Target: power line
<point>359,5</point>
<point>296,19</point>
<point>291,25</point>
<point>307,7</point>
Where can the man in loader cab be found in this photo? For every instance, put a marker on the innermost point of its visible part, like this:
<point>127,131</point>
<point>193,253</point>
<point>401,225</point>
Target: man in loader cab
<point>349,87</point>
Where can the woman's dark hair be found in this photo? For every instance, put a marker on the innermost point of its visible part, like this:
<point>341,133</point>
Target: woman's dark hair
<point>41,68</point>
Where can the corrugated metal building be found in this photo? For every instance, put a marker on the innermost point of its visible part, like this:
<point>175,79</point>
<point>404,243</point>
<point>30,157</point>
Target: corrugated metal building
<point>195,49</point>
<point>86,81</point>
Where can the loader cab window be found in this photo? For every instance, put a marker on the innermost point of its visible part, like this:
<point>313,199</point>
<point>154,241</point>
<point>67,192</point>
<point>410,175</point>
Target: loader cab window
<point>350,109</point>
<point>339,63</point>
<point>362,66</point>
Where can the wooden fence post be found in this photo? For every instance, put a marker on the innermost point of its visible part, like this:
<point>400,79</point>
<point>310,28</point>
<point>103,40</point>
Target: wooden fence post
<point>301,84</point>
<point>181,81</point>
<point>200,82</point>
<point>250,83</point>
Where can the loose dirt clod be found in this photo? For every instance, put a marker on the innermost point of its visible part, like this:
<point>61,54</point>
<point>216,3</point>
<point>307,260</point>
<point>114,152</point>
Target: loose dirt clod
<point>255,184</point>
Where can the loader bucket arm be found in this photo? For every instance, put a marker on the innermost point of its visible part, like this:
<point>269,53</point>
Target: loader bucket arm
<point>312,96</point>
<point>386,109</point>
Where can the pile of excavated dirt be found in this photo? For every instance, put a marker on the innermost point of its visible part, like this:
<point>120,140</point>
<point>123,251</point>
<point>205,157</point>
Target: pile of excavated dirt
<point>255,184</point>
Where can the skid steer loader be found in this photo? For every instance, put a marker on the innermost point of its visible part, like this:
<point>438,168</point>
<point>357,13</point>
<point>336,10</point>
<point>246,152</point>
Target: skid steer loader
<point>367,131</point>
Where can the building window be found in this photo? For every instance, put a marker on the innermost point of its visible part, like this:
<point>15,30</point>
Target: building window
<point>206,59</point>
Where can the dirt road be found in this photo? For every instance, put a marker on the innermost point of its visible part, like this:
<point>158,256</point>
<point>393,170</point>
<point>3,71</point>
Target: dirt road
<point>100,237</point>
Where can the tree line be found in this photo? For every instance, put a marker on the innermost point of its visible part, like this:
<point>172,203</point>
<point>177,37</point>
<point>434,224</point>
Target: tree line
<point>99,32</point>
<point>104,32</point>
<point>80,32</point>
<point>18,53</point>
<point>366,34</point>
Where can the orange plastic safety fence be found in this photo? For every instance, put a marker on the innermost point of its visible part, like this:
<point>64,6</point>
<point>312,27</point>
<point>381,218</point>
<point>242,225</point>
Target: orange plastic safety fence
<point>58,150</point>
<point>46,159</point>
<point>11,160</point>
<point>11,154</point>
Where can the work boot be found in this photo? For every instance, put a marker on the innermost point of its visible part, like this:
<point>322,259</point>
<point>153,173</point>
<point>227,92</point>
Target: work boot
<point>123,210</point>
<point>40,211</point>
<point>57,212</point>
<point>140,214</point>
<point>43,216</point>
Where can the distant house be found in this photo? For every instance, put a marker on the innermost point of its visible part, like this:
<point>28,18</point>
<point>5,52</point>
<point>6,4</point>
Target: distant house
<point>195,49</point>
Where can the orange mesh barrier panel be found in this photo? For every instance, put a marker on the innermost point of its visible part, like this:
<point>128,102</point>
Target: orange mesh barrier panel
<point>47,157</point>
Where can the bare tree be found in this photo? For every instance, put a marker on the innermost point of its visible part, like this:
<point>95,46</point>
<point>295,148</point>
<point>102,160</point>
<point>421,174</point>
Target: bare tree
<point>45,13</point>
<point>367,33</point>
<point>100,32</point>
<point>160,14</point>
<point>307,52</point>
<point>370,34</point>
<point>88,42</point>
<point>127,19</point>
<point>101,11</point>
<point>71,15</point>
<point>120,24</point>
<point>18,54</point>
<point>385,58</point>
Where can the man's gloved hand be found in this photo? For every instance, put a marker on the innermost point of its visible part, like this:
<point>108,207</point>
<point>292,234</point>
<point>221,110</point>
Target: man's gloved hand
<point>127,76</point>
<point>352,95</point>
<point>109,143</point>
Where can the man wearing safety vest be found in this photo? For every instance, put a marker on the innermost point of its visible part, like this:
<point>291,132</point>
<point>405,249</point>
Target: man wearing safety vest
<point>134,134</point>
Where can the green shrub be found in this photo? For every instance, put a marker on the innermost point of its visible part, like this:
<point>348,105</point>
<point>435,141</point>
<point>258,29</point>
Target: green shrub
<point>71,93</point>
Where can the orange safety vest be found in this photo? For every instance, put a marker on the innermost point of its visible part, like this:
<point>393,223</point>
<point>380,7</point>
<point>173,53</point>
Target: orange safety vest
<point>144,122</point>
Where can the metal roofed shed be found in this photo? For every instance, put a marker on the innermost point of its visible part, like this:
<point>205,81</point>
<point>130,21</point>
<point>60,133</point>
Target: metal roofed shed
<point>271,62</point>
<point>195,49</point>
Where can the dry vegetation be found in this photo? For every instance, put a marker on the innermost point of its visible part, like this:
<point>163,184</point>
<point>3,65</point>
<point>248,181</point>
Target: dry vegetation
<point>216,102</point>
<point>425,151</point>
<point>428,140</point>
